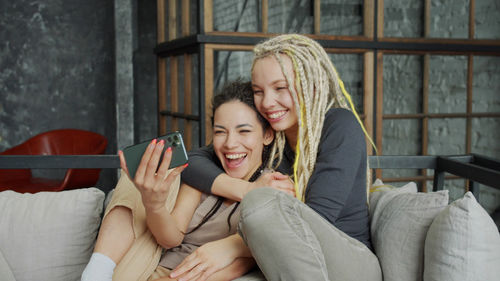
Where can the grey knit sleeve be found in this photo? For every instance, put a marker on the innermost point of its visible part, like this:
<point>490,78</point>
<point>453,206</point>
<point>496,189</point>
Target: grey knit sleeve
<point>202,169</point>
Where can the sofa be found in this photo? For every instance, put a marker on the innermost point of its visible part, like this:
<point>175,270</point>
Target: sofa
<point>416,235</point>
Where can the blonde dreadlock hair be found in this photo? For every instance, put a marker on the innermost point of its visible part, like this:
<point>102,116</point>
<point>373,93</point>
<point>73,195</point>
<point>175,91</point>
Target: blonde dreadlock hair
<point>314,73</point>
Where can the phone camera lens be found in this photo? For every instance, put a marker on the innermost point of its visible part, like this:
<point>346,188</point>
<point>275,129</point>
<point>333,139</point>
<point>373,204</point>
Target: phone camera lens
<point>176,138</point>
<point>169,139</point>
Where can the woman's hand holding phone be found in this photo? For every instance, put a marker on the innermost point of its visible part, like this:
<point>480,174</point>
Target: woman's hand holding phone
<point>153,182</point>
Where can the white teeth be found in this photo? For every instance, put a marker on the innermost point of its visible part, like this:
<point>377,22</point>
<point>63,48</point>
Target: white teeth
<point>276,114</point>
<point>235,156</point>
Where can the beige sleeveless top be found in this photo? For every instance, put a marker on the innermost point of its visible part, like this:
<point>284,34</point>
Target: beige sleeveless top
<point>214,229</point>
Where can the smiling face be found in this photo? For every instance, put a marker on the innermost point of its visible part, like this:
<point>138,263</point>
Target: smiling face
<point>239,139</point>
<point>272,96</point>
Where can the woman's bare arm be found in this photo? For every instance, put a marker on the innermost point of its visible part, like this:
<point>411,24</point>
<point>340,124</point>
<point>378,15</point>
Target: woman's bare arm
<point>205,175</point>
<point>155,186</point>
<point>238,268</point>
<point>213,257</point>
<point>169,228</point>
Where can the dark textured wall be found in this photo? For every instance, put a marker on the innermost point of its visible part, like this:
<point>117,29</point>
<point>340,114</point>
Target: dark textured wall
<point>56,68</point>
<point>145,80</point>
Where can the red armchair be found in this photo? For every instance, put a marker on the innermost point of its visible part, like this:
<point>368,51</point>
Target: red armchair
<point>56,142</point>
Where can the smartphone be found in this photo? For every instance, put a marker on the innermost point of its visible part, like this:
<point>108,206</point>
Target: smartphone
<point>133,154</point>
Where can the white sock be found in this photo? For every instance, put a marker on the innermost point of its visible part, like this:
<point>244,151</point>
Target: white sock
<point>99,268</point>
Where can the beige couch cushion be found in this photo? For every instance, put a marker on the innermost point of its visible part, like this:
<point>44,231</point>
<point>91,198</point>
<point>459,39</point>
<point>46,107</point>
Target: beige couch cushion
<point>5,271</point>
<point>400,218</point>
<point>462,243</point>
<point>49,235</point>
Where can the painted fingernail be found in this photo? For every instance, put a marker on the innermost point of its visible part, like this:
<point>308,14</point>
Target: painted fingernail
<point>161,142</point>
<point>185,165</point>
<point>169,149</point>
<point>152,144</point>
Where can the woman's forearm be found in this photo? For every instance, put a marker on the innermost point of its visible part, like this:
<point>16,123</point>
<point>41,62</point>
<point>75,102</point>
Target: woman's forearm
<point>163,227</point>
<point>238,268</point>
<point>236,189</point>
<point>238,246</point>
<point>206,176</point>
<point>230,188</point>
<point>169,227</point>
<point>213,256</point>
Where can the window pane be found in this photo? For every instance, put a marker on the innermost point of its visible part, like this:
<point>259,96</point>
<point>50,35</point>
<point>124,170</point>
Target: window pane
<point>173,25</point>
<point>292,16</point>
<point>403,18</point>
<point>448,84</point>
<point>350,69</point>
<point>449,19</point>
<point>487,20</point>
<point>180,78</point>
<point>195,129</point>
<point>234,15</point>
<point>195,99</point>
<point>402,84</point>
<point>446,136</point>
<point>401,137</point>
<point>489,198</point>
<point>183,63</point>
<point>341,17</point>
<point>166,17</point>
<point>485,137</point>
<point>230,65</point>
<point>168,94</point>
<point>178,18</point>
<point>195,90</point>
<point>456,188</point>
<point>193,82</point>
<point>486,84</point>
<point>193,16</point>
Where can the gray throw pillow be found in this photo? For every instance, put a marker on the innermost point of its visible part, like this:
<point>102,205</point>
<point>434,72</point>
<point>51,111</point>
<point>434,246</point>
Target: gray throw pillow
<point>5,271</point>
<point>462,243</point>
<point>400,218</point>
<point>49,235</point>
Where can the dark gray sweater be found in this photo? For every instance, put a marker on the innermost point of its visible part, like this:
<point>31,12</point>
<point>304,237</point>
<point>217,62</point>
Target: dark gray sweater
<point>337,187</point>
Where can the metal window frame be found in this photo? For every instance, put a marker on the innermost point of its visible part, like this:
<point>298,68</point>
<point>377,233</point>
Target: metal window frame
<point>372,42</point>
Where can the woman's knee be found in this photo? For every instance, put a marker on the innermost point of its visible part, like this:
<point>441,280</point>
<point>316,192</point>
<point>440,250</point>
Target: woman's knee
<point>258,198</point>
<point>118,221</point>
<point>262,207</point>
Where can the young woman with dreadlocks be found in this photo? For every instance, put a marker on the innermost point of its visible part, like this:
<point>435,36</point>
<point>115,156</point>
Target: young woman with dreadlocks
<point>323,233</point>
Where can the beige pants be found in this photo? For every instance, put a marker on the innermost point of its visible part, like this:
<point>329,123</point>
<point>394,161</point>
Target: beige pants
<point>140,263</point>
